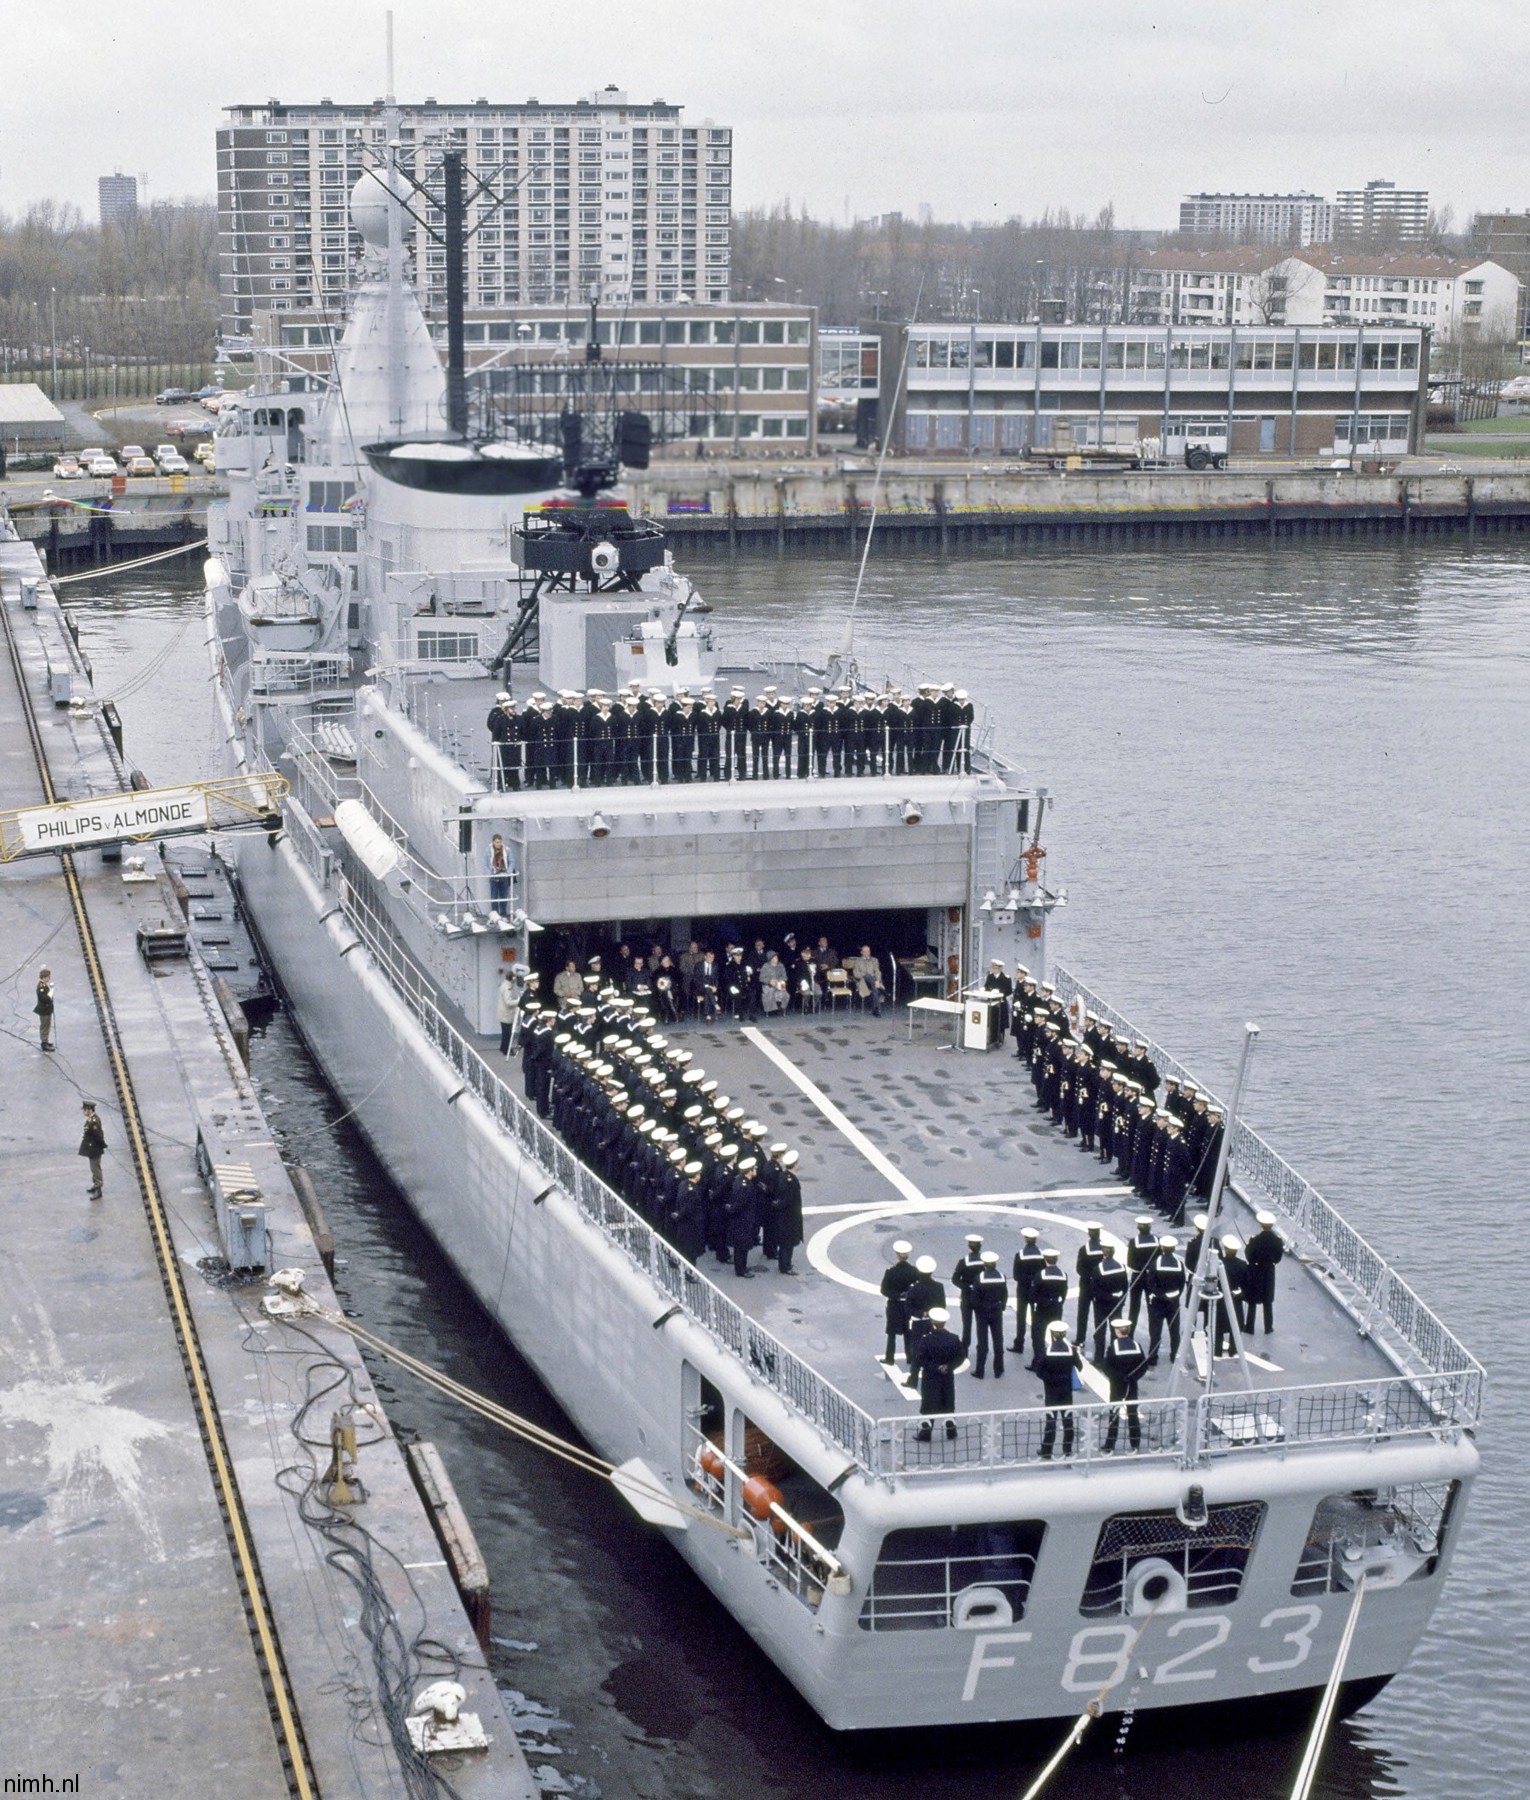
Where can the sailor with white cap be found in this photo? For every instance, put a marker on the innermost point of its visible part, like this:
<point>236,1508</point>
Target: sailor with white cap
<point>964,720</point>
<point>899,1276</point>
<point>1165,1285</point>
<point>1027,1267</point>
<point>969,1265</point>
<point>503,735</point>
<point>989,1295</point>
<point>1234,1272</point>
<point>933,1364</point>
<point>1124,1367</point>
<point>926,1292</point>
<point>1265,1249</point>
<point>1055,1366</point>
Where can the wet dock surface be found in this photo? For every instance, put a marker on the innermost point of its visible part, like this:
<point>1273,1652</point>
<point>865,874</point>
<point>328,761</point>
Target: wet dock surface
<point>133,1653</point>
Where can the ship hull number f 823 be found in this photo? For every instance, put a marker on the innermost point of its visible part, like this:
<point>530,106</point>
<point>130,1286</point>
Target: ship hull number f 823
<point>1100,1655</point>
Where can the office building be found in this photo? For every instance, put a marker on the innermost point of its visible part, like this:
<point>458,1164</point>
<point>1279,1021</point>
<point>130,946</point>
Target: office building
<point>603,193</point>
<point>1258,218</point>
<point>1381,213</point>
<point>1291,391</point>
<point>1321,285</point>
<point>710,376</point>
<point>117,198</point>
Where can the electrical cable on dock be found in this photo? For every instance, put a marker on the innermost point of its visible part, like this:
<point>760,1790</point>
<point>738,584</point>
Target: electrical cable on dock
<point>122,568</point>
<point>1313,1754</point>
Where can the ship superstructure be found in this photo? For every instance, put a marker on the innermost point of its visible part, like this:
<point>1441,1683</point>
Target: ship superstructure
<point>376,581</point>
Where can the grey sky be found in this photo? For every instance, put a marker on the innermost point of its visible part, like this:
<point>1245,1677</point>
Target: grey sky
<point>982,108</point>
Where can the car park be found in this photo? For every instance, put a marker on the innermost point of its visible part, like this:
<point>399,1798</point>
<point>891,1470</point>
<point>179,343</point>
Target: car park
<point>88,456</point>
<point>67,468</point>
<point>213,402</point>
<point>172,396</point>
<point>139,465</point>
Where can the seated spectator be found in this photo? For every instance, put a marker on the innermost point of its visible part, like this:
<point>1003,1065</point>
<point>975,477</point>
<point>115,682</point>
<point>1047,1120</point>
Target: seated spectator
<point>774,994</point>
<point>666,987</point>
<point>866,972</point>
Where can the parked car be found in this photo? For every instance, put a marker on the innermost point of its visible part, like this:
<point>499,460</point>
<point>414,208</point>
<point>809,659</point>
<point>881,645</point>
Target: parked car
<point>87,457</point>
<point>139,465</point>
<point>208,392</point>
<point>203,453</point>
<point>174,465</point>
<point>173,396</point>
<point>213,402</point>
<point>103,466</point>
<point>67,468</point>
<point>130,450</point>
<point>161,451</point>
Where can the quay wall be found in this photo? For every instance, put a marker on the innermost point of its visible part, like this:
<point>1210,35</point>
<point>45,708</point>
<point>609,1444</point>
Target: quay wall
<point>781,509</point>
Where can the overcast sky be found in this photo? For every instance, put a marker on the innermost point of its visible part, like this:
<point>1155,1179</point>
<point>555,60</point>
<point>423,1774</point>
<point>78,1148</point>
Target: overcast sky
<point>980,108</point>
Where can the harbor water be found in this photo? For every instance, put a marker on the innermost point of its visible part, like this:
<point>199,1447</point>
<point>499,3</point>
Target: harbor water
<point>1291,787</point>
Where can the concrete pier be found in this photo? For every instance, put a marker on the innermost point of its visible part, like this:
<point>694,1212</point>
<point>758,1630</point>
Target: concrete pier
<point>180,1608</point>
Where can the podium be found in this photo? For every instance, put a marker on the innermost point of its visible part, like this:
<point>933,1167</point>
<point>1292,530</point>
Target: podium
<point>980,1014</point>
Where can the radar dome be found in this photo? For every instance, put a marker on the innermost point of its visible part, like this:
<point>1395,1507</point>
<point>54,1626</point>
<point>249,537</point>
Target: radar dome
<point>369,206</point>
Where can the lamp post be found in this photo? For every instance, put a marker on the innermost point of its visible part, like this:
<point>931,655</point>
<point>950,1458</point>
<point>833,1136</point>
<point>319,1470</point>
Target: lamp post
<point>53,335</point>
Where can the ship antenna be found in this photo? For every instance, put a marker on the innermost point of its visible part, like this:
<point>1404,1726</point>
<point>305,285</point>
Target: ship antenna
<point>388,35</point>
<point>846,650</point>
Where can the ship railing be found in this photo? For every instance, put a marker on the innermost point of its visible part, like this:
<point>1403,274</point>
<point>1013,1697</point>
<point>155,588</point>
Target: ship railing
<point>910,1445</point>
<point>318,784</point>
<point>893,1448</point>
<point>1379,1301</point>
<point>297,671</point>
<point>1366,1412</point>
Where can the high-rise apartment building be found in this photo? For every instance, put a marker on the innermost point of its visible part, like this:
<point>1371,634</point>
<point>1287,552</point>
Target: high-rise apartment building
<point>117,198</point>
<point>1382,214</point>
<point>602,193</point>
<point>1258,218</point>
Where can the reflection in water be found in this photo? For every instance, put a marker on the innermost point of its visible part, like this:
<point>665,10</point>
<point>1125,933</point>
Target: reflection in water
<point>1290,787</point>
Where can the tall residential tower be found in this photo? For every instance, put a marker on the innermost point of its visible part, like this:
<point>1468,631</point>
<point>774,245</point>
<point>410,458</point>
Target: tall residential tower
<point>602,193</point>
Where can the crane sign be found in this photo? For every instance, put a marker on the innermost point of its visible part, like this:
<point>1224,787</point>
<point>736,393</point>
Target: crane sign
<point>248,802</point>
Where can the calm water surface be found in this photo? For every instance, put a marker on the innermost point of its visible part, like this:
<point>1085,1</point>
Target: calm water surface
<point>1291,787</point>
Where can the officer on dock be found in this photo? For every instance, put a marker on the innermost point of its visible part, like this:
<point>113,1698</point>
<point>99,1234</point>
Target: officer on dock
<point>935,1362</point>
<point>93,1147</point>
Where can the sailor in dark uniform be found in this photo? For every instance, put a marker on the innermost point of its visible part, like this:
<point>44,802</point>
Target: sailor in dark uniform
<point>1027,1266</point>
<point>965,716</point>
<point>968,1267</point>
<point>1124,1366</point>
<point>1049,1298</point>
<point>502,737</point>
<point>786,1207</point>
<point>1165,1284</point>
<point>1139,1253</point>
<point>1111,1281</point>
<point>1055,1366</point>
<point>1211,1150</point>
<point>899,1276</point>
<point>926,734</point>
<point>934,1365</point>
<point>1265,1249</point>
<point>989,1295</point>
<point>1091,1253</point>
<point>1236,1271</point>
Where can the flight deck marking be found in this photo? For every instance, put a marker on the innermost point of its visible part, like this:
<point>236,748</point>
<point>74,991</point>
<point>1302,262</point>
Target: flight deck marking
<point>836,1118</point>
<point>955,1202</point>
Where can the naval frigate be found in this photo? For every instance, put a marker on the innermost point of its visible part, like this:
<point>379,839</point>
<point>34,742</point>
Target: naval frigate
<point>378,575</point>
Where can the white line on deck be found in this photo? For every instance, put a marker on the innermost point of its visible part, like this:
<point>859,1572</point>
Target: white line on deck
<point>955,1202</point>
<point>889,1170</point>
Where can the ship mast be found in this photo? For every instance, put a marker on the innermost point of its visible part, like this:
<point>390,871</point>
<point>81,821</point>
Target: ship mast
<point>395,246</point>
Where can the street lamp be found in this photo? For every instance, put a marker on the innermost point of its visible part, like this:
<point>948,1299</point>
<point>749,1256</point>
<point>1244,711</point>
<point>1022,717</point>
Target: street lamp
<point>53,333</point>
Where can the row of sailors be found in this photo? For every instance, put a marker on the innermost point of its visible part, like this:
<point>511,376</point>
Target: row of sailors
<point>595,739</point>
<point>650,1122</point>
<point>1109,1293</point>
<point>1102,1089</point>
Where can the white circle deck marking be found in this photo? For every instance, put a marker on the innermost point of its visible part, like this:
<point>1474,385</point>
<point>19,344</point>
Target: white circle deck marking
<point>818,1246</point>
